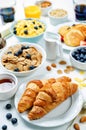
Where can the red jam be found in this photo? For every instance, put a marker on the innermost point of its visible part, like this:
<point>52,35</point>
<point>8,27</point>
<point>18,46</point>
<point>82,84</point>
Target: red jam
<point>6,84</point>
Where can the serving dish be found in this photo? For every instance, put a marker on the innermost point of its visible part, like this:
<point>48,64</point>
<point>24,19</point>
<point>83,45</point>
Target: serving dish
<point>55,30</point>
<point>45,6</point>
<point>78,57</point>
<point>30,30</point>
<point>57,16</point>
<point>60,115</point>
<point>8,85</point>
<point>17,60</point>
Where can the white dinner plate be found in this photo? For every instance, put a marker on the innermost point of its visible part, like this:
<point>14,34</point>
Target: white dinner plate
<point>55,30</point>
<point>62,114</point>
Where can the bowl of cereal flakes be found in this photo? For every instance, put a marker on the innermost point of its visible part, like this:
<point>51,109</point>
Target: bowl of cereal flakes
<point>57,16</point>
<point>22,59</point>
<point>28,30</point>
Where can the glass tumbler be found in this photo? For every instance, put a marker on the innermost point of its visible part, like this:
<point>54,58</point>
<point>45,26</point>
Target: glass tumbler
<point>80,10</point>
<point>7,10</point>
<point>31,10</point>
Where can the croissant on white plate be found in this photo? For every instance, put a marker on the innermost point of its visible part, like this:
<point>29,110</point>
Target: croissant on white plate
<point>41,96</point>
<point>29,95</point>
<point>50,96</point>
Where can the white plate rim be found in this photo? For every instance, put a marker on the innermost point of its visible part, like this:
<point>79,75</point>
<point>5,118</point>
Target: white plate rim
<point>65,118</point>
<point>55,30</point>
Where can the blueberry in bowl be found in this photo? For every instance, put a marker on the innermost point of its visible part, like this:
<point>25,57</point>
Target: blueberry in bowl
<point>78,57</point>
<point>30,30</point>
<point>23,58</point>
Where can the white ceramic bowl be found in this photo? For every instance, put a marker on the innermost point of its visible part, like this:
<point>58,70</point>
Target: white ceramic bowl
<point>32,39</point>
<point>44,10</point>
<point>29,72</point>
<point>77,63</point>
<point>55,20</point>
<point>8,85</point>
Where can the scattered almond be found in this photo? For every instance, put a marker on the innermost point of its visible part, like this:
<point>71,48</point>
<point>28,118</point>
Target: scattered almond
<point>62,62</point>
<point>59,71</point>
<point>83,119</point>
<point>48,68</point>
<point>76,126</point>
<point>67,71</point>
<point>53,65</point>
<point>71,68</point>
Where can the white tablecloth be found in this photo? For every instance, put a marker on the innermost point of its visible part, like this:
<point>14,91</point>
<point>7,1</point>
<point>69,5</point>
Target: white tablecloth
<point>23,125</point>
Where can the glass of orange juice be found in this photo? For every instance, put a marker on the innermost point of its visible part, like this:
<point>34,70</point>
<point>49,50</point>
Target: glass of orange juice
<point>31,11</point>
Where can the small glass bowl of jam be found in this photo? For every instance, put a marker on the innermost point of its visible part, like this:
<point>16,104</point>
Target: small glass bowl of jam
<point>8,85</point>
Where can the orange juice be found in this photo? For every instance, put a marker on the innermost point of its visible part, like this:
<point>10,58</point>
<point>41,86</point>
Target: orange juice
<point>32,11</point>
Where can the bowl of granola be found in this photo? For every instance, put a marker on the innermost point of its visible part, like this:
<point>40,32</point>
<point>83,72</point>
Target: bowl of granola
<point>22,59</point>
<point>28,30</point>
<point>57,16</point>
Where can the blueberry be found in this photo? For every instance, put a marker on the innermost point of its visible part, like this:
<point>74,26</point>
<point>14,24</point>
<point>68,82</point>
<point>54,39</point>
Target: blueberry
<point>83,51</point>
<point>32,67</point>
<point>73,54</point>
<point>14,120</point>
<point>25,31</point>
<point>16,54</point>
<point>15,32</point>
<point>82,60</point>
<point>16,70</point>
<point>14,28</point>
<point>25,26</point>
<point>8,106</point>
<point>4,127</point>
<point>9,52</point>
<point>81,55</point>
<point>40,26</point>
<point>84,57</point>
<point>8,116</point>
<point>25,47</point>
<point>33,22</point>
<point>28,56</point>
<point>35,27</point>
<point>20,52</point>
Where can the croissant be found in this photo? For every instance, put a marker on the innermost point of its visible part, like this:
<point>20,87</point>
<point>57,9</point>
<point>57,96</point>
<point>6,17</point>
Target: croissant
<point>30,93</point>
<point>28,97</point>
<point>50,96</point>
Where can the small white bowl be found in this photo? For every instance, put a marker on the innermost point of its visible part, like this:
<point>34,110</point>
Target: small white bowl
<point>57,17</point>
<point>8,85</point>
<point>29,72</point>
<point>44,10</point>
<point>77,63</point>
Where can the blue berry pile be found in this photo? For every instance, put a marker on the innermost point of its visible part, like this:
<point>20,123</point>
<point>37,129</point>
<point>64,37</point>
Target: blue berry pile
<point>4,127</point>
<point>8,106</point>
<point>9,117</point>
<point>80,54</point>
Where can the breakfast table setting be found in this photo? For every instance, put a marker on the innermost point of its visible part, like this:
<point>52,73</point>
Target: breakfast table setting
<point>54,61</point>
